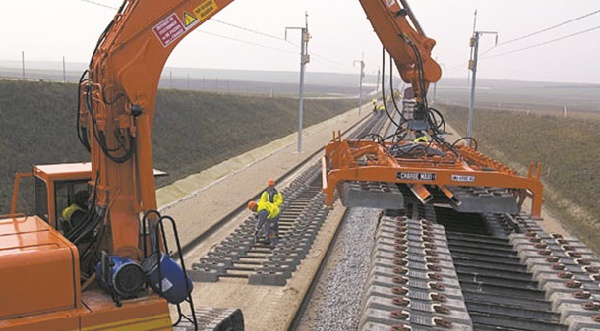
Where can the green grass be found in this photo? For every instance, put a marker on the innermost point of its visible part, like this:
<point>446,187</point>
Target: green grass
<point>567,148</point>
<point>191,131</point>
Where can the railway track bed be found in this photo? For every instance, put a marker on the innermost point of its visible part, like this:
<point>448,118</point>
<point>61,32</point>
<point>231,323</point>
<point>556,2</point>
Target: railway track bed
<point>456,271</point>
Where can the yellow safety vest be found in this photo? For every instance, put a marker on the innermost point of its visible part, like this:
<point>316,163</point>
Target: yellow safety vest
<point>69,211</point>
<point>276,198</point>
<point>272,208</point>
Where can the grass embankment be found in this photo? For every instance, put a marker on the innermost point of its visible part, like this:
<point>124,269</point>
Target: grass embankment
<point>568,149</point>
<point>192,130</point>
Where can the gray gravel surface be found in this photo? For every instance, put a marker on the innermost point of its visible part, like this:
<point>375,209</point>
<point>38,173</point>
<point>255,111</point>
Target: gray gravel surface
<point>336,302</point>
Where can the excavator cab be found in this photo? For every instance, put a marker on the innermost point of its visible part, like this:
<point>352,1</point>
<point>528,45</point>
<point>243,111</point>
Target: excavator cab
<point>55,187</point>
<point>64,295</point>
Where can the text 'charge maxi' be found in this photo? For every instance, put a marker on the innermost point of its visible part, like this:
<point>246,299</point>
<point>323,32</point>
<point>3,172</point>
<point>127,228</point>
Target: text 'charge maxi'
<point>421,176</point>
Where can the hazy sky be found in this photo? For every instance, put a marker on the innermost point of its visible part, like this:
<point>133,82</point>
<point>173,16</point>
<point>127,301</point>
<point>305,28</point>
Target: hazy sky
<point>47,30</point>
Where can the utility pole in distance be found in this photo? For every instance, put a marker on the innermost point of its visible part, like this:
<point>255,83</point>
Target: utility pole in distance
<point>473,67</point>
<point>304,59</point>
<point>378,79</point>
<point>23,61</point>
<point>362,75</point>
<point>64,71</point>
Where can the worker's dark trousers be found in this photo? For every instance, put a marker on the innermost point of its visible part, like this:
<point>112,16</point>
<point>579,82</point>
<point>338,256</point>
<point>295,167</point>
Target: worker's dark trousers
<point>271,229</point>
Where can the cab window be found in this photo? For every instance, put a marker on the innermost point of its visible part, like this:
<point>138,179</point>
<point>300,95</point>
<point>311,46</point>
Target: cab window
<point>65,192</point>
<point>41,199</point>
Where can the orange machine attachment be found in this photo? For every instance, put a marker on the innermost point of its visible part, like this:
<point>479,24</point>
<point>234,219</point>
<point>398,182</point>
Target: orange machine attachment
<point>384,174</point>
<point>394,172</point>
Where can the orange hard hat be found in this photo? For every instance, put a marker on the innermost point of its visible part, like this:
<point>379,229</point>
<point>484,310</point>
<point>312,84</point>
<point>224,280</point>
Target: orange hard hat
<point>271,182</point>
<point>252,205</point>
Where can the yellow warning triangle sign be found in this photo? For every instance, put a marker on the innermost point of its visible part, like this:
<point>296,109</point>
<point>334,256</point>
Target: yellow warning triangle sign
<point>189,19</point>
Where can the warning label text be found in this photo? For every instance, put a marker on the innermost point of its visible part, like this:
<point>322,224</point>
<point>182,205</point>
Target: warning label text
<point>169,29</point>
<point>206,10</point>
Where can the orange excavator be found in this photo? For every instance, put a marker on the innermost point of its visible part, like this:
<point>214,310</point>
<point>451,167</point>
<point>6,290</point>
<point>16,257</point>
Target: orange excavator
<point>109,269</point>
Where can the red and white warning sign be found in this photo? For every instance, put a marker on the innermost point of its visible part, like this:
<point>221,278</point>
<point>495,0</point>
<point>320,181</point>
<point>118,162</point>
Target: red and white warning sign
<point>169,29</point>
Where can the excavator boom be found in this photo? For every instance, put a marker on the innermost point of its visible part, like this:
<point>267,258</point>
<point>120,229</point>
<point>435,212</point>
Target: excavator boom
<point>407,44</point>
<point>117,107</point>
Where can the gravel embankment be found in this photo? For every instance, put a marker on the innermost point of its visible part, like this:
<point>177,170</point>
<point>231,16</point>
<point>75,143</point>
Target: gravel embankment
<point>336,302</point>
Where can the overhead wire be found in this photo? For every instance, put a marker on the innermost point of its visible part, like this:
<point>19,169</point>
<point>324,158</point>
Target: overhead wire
<point>246,42</point>
<point>338,64</point>
<point>483,57</point>
<point>539,32</point>
<point>248,29</point>
<point>314,54</point>
<point>280,39</point>
<point>549,28</point>
<point>541,44</point>
<point>270,47</point>
<point>100,4</point>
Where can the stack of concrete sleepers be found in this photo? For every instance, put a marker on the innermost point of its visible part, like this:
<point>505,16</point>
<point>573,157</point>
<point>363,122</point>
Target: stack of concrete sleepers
<point>566,270</point>
<point>412,284</point>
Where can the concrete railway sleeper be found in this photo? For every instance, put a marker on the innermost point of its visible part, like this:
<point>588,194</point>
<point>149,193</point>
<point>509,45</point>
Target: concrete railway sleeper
<point>480,272</point>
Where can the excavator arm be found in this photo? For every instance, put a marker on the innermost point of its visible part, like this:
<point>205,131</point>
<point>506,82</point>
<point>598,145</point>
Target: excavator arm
<point>117,101</point>
<point>118,92</point>
<point>407,45</point>
<point>409,48</point>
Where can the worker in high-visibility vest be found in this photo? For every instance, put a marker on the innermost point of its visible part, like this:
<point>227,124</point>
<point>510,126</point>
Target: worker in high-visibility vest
<point>271,194</point>
<point>76,212</point>
<point>420,137</point>
<point>268,216</point>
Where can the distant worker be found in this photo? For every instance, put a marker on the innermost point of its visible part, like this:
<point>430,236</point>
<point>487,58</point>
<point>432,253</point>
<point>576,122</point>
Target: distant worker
<point>76,212</point>
<point>271,194</point>
<point>275,197</point>
<point>268,217</point>
<point>374,101</point>
<point>420,137</point>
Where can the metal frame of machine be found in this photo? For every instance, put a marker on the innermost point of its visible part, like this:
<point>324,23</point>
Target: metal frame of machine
<point>424,165</point>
